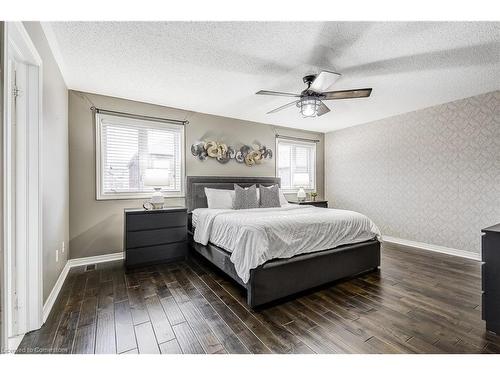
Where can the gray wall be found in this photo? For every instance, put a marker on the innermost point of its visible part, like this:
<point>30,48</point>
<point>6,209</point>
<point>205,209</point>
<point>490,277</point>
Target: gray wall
<point>431,175</point>
<point>96,227</point>
<point>54,161</point>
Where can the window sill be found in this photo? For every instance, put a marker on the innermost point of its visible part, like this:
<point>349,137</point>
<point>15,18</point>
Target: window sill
<point>135,197</point>
<point>294,191</point>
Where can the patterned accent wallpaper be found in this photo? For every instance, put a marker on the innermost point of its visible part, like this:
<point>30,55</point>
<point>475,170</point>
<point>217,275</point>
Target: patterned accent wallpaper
<point>430,176</point>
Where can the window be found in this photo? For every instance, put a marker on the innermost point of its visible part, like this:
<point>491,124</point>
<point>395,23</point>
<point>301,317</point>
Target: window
<point>126,147</point>
<point>296,164</point>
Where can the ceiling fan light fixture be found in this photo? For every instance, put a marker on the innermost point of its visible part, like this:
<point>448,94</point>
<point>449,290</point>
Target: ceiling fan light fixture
<point>309,106</point>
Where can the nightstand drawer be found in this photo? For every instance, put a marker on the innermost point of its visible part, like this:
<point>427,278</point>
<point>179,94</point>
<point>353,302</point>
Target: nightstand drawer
<point>153,220</point>
<point>484,246</point>
<point>483,277</point>
<point>155,254</point>
<point>483,306</point>
<point>156,237</point>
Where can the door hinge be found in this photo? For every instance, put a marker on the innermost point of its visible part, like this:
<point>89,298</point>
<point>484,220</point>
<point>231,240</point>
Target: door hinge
<point>16,91</point>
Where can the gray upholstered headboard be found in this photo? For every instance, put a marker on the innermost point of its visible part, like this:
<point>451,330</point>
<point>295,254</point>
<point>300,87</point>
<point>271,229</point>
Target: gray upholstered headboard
<point>195,187</point>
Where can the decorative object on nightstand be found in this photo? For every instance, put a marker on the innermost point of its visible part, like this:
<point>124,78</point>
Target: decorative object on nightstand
<point>301,195</point>
<point>301,180</point>
<point>490,277</point>
<point>313,196</point>
<point>155,236</point>
<point>322,204</point>
<point>157,178</point>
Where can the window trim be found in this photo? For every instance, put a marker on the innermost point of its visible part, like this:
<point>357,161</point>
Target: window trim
<point>100,195</point>
<point>304,142</point>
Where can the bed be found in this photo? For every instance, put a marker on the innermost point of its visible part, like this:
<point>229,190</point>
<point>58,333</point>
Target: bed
<point>277,278</point>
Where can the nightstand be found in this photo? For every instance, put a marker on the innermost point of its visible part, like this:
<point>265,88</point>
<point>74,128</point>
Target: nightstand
<point>317,203</point>
<point>490,278</point>
<point>155,236</point>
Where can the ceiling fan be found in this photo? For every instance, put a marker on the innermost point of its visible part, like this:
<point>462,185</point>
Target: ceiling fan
<point>310,101</point>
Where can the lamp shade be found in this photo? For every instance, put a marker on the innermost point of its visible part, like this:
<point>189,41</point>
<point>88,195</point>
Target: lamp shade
<point>156,177</point>
<point>301,179</point>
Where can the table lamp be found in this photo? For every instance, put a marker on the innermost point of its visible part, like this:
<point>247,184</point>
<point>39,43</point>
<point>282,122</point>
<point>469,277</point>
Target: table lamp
<point>301,180</point>
<point>156,178</point>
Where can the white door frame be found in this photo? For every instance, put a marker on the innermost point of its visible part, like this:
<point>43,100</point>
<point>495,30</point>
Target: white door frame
<point>23,207</point>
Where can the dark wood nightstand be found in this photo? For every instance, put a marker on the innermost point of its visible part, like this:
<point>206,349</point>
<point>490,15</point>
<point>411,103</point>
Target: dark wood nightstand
<point>155,236</point>
<point>317,203</point>
<point>490,278</point>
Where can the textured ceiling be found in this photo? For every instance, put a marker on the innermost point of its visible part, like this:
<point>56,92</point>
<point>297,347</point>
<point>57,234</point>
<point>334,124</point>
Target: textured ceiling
<point>217,67</point>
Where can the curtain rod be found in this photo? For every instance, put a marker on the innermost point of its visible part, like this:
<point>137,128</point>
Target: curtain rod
<point>297,138</point>
<point>139,117</point>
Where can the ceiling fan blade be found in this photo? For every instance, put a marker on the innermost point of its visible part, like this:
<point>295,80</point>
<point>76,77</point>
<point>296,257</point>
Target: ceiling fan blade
<point>346,94</point>
<point>322,109</point>
<point>283,107</point>
<point>276,93</point>
<point>324,80</point>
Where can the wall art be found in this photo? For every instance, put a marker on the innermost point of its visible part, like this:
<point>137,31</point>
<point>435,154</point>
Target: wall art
<point>249,155</point>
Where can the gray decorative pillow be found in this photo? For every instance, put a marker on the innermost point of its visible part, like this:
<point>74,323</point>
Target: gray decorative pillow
<point>245,198</point>
<point>269,196</point>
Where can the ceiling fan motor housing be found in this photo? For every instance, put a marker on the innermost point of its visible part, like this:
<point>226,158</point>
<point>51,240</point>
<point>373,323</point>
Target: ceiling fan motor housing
<point>309,79</point>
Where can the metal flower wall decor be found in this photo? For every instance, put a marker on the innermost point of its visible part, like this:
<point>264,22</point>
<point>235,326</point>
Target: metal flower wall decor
<point>250,155</point>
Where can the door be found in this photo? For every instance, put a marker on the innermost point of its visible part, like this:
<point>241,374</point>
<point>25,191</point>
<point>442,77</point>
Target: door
<point>18,196</point>
<point>3,289</point>
<point>22,189</point>
<point>12,295</point>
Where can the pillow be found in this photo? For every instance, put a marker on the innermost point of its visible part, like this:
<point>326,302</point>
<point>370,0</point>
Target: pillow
<point>283,200</point>
<point>219,198</point>
<point>245,198</point>
<point>269,196</point>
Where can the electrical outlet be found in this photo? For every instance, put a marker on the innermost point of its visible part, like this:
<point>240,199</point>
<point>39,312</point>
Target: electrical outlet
<point>57,255</point>
<point>62,247</point>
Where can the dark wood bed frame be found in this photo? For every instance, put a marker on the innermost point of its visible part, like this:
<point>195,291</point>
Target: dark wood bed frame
<point>279,278</point>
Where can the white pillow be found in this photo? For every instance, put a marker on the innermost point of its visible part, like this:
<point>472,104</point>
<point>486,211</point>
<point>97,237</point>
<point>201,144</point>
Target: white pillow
<point>219,198</point>
<point>283,200</point>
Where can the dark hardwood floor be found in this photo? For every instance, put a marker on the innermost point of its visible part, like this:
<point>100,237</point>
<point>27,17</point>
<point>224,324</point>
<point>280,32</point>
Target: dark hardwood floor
<point>419,302</point>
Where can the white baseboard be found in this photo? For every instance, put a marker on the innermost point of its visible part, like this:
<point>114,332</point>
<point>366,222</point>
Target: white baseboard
<point>47,306</point>
<point>96,259</point>
<point>431,247</point>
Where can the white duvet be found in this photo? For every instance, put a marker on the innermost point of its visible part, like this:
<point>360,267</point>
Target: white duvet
<point>254,236</point>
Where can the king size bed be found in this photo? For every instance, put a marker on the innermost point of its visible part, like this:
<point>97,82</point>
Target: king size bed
<point>277,252</point>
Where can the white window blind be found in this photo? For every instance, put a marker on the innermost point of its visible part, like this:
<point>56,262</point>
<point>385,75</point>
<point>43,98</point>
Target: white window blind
<point>126,147</point>
<point>296,164</point>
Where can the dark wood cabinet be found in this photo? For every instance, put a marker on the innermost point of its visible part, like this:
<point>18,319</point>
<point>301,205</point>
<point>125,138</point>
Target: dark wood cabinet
<point>155,236</point>
<point>490,277</point>
<point>317,203</point>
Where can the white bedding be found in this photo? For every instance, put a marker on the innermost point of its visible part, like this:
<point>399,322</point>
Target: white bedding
<point>257,235</point>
